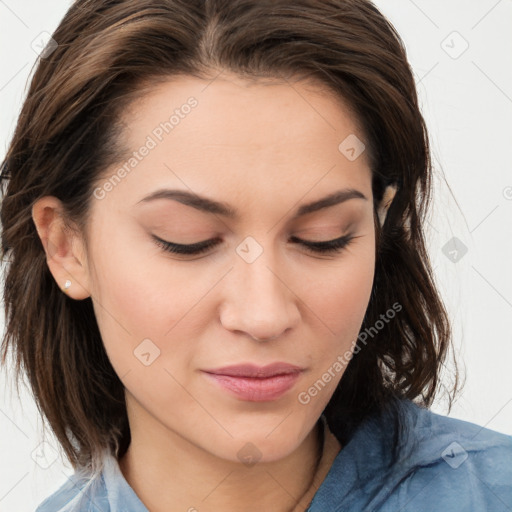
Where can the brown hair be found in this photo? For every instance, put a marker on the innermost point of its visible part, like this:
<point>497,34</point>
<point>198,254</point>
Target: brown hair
<point>68,134</point>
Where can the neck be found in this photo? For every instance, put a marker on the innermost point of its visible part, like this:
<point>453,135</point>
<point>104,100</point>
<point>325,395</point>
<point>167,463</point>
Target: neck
<point>172,474</point>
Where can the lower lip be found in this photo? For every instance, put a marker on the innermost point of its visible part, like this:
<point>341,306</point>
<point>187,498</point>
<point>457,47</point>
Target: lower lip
<point>257,389</point>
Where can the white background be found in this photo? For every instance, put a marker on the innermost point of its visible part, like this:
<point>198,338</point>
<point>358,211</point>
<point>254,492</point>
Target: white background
<point>466,98</point>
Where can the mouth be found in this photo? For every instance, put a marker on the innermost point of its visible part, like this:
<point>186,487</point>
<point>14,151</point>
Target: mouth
<point>256,383</point>
<point>254,371</point>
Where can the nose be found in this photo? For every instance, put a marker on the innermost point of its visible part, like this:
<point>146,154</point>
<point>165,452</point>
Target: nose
<point>264,339</point>
<point>259,300</point>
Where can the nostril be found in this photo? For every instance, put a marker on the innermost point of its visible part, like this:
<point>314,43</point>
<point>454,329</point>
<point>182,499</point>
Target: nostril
<point>263,339</point>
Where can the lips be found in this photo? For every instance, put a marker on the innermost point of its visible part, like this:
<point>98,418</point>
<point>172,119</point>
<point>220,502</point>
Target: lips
<point>256,383</point>
<point>251,370</point>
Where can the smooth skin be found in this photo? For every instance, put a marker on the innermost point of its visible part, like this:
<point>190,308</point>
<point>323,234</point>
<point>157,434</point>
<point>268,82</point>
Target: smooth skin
<point>264,149</point>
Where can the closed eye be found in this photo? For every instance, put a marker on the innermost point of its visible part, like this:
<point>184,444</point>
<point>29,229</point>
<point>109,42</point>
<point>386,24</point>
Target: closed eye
<point>329,246</point>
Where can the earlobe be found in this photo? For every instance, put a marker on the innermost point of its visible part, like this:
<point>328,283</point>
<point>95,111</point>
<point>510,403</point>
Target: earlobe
<point>63,248</point>
<point>387,199</point>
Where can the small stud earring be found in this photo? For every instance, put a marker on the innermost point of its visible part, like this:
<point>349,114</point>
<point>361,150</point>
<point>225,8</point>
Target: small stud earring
<point>66,286</point>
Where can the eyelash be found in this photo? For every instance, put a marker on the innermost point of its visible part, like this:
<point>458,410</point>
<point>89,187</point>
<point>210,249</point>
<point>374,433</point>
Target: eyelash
<point>328,247</point>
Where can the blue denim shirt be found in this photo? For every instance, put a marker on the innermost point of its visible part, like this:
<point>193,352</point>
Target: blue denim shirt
<point>418,462</point>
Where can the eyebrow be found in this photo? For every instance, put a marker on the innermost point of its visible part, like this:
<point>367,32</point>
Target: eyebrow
<point>208,205</point>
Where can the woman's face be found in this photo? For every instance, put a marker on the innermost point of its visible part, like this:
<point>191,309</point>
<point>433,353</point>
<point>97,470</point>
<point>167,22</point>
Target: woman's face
<point>167,320</point>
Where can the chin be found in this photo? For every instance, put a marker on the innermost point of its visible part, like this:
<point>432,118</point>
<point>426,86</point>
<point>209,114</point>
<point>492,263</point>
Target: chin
<point>258,446</point>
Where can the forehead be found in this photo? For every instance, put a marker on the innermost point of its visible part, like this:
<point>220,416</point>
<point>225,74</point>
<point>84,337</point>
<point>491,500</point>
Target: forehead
<point>230,108</point>
<point>228,134</point>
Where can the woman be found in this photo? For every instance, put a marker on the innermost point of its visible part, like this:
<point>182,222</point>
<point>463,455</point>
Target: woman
<point>218,283</point>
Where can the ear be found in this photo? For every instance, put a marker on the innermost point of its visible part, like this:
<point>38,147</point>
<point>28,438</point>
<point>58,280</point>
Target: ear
<point>64,248</point>
<point>387,199</point>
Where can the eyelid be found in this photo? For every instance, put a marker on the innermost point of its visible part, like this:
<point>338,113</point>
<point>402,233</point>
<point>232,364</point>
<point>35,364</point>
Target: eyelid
<point>185,249</point>
<point>318,247</point>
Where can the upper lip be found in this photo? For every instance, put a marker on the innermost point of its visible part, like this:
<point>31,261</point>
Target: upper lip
<point>252,370</point>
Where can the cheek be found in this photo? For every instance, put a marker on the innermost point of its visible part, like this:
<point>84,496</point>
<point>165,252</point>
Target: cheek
<point>133,300</point>
<point>141,295</point>
<point>339,303</point>
<point>340,297</point>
